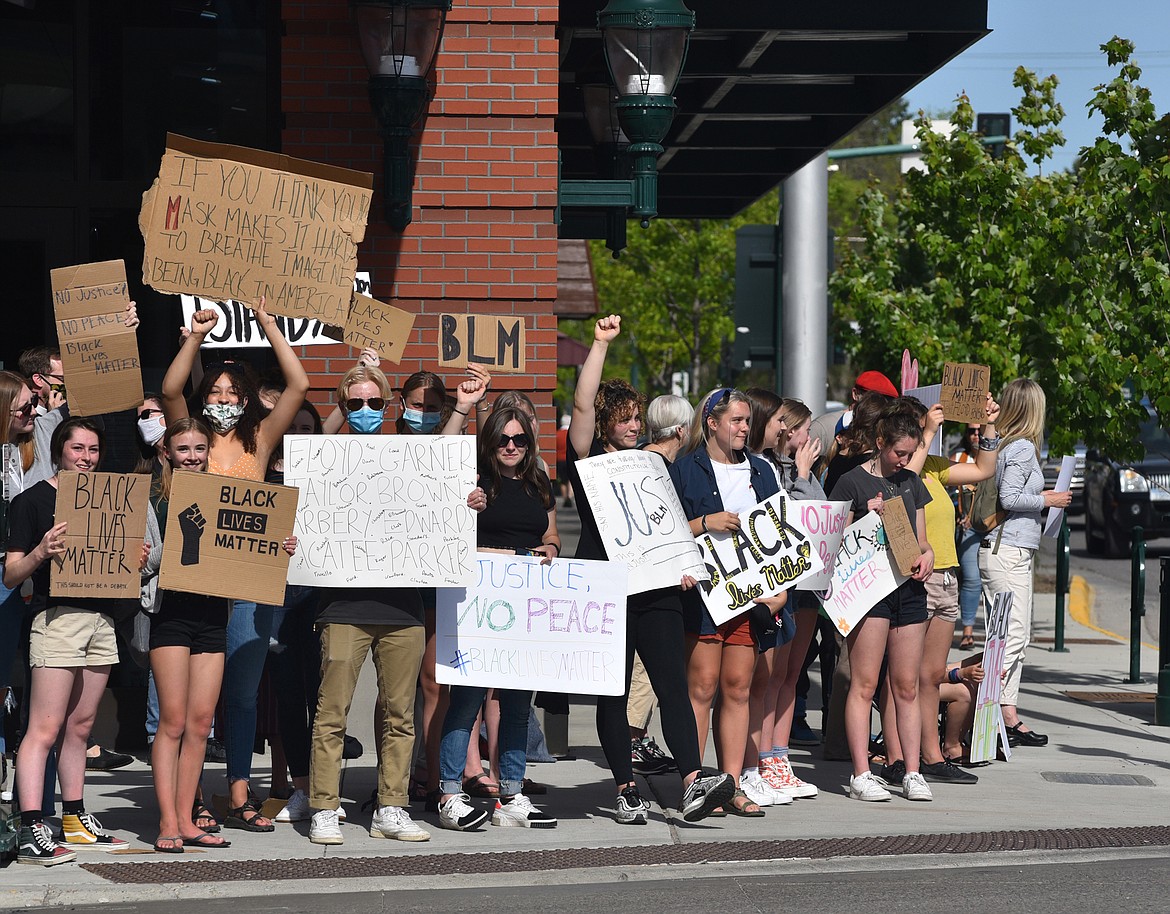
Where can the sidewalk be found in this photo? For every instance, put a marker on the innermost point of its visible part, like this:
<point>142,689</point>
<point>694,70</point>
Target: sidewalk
<point>1016,804</point>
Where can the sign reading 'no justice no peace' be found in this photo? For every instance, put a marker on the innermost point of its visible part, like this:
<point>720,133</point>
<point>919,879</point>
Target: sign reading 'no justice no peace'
<point>228,222</point>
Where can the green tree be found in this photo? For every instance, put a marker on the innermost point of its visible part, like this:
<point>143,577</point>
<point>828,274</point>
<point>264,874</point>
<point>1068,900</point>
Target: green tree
<point>1061,277</point>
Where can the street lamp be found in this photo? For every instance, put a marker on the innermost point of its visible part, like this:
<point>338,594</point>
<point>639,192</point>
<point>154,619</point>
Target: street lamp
<point>399,40</point>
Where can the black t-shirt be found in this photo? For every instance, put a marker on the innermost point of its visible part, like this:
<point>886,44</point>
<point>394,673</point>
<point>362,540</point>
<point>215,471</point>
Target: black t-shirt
<point>31,517</point>
<point>514,519</point>
<point>589,545</point>
<point>859,486</point>
<point>839,466</point>
<point>371,606</point>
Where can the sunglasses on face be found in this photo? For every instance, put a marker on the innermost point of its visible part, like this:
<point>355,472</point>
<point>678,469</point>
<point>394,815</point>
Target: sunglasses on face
<point>147,413</point>
<point>377,404</point>
<point>26,409</point>
<point>520,442</point>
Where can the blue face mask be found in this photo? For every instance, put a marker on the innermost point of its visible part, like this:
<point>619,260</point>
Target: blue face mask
<point>419,422</point>
<point>365,421</point>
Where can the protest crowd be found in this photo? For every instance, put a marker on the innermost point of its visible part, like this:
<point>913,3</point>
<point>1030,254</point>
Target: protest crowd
<point>720,637</point>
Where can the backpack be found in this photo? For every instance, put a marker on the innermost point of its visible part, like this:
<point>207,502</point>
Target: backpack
<point>985,512</point>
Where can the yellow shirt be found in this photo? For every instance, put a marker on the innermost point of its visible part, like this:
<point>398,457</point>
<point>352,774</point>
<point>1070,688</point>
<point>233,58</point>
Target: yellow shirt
<point>940,513</point>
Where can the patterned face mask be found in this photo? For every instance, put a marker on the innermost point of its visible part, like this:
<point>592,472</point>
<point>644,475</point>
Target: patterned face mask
<point>223,416</point>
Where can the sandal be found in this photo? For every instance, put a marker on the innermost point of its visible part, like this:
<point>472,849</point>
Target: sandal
<point>743,805</point>
<point>239,818</point>
<point>176,846</point>
<point>206,840</point>
<point>966,642</point>
<point>479,786</point>
<point>201,814</point>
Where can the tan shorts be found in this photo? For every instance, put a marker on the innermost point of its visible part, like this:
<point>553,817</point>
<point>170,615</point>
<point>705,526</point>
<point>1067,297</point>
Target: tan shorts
<point>942,595</point>
<point>67,637</point>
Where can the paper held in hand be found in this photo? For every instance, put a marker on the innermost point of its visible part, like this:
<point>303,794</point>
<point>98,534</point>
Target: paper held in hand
<point>640,518</point>
<point>769,553</point>
<point>99,353</point>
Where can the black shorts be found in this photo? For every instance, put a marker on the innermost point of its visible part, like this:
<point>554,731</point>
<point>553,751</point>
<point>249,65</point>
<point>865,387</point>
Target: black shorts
<point>192,621</point>
<point>905,606</point>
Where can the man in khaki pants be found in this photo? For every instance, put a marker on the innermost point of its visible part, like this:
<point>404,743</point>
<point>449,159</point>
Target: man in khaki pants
<point>387,622</point>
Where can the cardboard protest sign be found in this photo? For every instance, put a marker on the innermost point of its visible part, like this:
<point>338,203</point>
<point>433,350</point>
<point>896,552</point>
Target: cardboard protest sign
<point>106,513</point>
<point>988,728</point>
<point>227,222</point>
<point>523,625</point>
<point>494,342</point>
<point>862,574</point>
<point>99,353</point>
<point>640,518</point>
<point>825,523</point>
<point>383,510</point>
<point>900,536</point>
<point>224,537</point>
<point>769,553</point>
<point>372,324</point>
<point>964,392</point>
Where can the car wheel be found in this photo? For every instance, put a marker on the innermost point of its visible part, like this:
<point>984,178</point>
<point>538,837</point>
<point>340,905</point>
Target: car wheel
<point>1117,542</point>
<point>1094,545</point>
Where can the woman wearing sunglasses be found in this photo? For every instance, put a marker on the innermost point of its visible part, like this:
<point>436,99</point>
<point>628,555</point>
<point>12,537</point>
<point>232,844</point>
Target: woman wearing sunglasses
<point>520,517</point>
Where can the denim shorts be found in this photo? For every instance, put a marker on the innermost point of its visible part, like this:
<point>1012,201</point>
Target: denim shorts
<point>905,606</point>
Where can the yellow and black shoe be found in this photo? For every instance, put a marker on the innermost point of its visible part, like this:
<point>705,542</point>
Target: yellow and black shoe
<point>82,830</point>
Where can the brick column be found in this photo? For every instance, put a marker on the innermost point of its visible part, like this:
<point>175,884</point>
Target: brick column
<point>482,239</point>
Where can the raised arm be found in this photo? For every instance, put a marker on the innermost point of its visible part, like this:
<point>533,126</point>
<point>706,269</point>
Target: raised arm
<point>467,394</point>
<point>965,474</point>
<point>934,419</point>
<point>296,383</point>
<point>583,424</point>
<point>173,403</point>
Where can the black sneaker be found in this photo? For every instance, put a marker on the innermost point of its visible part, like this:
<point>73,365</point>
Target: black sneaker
<point>707,792</point>
<point>646,760</point>
<point>352,748</point>
<point>36,846</point>
<point>894,773</point>
<point>945,772</point>
<point>107,760</point>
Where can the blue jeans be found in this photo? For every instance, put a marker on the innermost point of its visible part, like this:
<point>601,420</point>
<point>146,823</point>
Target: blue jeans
<point>11,616</point>
<point>248,632</point>
<point>970,589</point>
<point>465,704</point>
<point>152,712</point>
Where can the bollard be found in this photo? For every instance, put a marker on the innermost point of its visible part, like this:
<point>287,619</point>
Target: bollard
<point>1162,699</point>
<point>1062,554</point>
<point>1137,603</point>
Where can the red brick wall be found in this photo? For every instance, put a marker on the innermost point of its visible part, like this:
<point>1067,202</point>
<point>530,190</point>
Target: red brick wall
<point>482,238</point>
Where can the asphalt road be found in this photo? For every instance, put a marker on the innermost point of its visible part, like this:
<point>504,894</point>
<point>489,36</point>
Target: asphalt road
<point>1130,885</point>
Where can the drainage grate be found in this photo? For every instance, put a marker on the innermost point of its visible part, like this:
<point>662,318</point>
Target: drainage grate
<point>1103,780</point>
<point>588,858</point>
<point>1110,641</point>
<point>1112,698</point>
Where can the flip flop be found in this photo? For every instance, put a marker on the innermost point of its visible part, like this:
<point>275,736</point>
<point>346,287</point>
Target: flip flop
<point>479,786</point>
<point>966,642</point>
<point>207,841</point>
<point>741,809</point>
<point>173,849</point>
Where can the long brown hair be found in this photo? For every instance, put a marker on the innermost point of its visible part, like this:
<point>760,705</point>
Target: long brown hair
<point>162,485</point>
<point>425,380</point>
<point>10,387</point>
<point>528,471</point>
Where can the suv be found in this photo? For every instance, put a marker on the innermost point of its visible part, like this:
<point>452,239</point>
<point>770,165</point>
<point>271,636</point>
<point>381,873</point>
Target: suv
<point>1119,497</point>
<point>1051,469</point>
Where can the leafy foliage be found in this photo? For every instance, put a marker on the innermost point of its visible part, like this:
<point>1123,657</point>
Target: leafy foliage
<point>1062,277</point>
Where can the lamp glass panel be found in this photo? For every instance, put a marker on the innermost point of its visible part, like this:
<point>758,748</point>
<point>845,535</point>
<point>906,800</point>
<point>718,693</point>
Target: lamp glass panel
<point>399,40</point>
<point>601,115</point>
<point>645,61</point>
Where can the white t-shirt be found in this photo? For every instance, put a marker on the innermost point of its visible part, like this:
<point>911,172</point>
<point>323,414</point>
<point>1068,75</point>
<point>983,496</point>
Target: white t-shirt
<point>735,486</point>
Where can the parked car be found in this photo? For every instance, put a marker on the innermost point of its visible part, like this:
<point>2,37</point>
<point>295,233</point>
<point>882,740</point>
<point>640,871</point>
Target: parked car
<point>1120,496</point>
<point>1076,488</point>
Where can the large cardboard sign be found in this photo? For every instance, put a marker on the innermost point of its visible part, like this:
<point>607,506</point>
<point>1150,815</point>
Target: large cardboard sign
<point>640,518</point>
<point>494,342</point>
<point>99,353</point>
<point>964,392</point>
<point>558,627</point>
<point>383,510</point>
<point>224,537</point>
<point>106,514</point>
<point>900,535</point>
<point>769,553</point>
<point>227,222</point>
<point>988,727</point>
<point>371,324</point>
<point>825,523</point>
<point>863,573</point>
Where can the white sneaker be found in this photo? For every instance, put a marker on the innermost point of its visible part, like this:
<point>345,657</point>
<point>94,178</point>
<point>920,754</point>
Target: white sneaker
<point>519,812</point>
<point>325,827</point>
<point>778,774</point>
<point>760,791</point>
<point>296,809</point>
<point>457,813</point>
<point>865,786</point>
<point>395,822</point>
<point>914,787</point>
<point>631,809</point>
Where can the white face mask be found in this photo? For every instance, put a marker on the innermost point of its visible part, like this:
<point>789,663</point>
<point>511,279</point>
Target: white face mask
<point>151,430</point>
